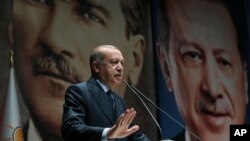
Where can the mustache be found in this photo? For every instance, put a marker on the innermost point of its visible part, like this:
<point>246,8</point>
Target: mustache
<point>215,105</point>
<point>48,60</point>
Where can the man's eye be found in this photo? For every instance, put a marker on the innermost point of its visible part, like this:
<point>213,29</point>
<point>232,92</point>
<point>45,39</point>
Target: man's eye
<point>225,65</point>
<point>113,62</point>
<point>193,55</point>
<point>192,58</point>
<point>90,17</point>
<point>224,62</point>
<point>116,62</point>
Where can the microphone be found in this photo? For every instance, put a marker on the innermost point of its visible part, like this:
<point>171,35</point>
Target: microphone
<point>136,91</point>
<point>142,101</point>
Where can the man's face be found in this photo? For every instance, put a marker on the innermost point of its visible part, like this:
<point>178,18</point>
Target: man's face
<point>204,69</point>
<point>52,43</point>
<point>111,69</point>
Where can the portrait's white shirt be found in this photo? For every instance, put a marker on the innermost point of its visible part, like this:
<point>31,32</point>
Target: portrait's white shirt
<point>187,136</point>
<point>32,132</point>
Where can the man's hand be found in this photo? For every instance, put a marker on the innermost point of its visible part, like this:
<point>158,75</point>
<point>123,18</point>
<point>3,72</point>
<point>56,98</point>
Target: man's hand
<point>121,128</point>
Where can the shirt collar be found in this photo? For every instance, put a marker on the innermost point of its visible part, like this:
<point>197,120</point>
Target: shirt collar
<point>33,134</point>
<point>187,136</point>
<point>104,87</point>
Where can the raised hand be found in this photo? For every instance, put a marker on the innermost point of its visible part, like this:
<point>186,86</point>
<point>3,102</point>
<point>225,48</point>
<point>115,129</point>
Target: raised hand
<point>121,128</point>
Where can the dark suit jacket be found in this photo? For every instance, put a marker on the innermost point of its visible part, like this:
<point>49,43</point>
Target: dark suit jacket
<point>88,110</point>
<point>180,136</point>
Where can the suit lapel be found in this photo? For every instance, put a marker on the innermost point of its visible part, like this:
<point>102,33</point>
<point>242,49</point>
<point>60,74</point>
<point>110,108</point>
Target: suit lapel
<point>102,100</point>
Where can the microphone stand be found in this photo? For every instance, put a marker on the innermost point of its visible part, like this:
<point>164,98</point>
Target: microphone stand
<point>145,107</point>
<point>165,113</point>
<point>136,91</point>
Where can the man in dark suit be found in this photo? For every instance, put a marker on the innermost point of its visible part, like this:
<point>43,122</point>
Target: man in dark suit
<point>92,111</point>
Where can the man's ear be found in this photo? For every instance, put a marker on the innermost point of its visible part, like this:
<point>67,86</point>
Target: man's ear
<point>138,49</point>
<point>164,63</point>
<point>95,66</point>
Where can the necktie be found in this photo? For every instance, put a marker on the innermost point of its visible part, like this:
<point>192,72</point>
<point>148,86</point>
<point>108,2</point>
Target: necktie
<point>112,99</point>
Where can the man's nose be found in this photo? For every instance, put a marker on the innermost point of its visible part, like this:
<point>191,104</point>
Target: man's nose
<point>56,33</point>
<point>211,82</point>
<point>120,66</point>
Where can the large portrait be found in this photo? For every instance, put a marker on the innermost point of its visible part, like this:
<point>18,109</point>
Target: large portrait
<point>51,41</point>
<point>203,79</point>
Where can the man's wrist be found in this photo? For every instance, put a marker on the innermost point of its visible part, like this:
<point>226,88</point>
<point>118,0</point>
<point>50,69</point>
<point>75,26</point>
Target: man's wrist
<point>105,134</point>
